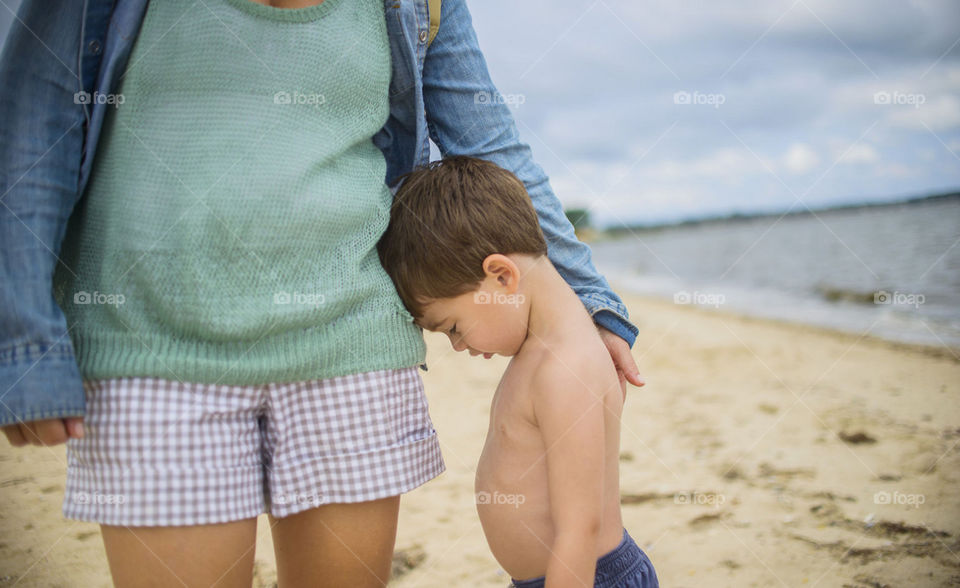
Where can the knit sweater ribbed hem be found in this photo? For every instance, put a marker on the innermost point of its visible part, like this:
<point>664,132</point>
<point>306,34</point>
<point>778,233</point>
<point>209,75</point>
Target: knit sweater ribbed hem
<point>349,346</point>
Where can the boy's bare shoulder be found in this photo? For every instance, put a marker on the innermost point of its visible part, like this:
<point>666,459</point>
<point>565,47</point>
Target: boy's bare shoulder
<point>573,367</point>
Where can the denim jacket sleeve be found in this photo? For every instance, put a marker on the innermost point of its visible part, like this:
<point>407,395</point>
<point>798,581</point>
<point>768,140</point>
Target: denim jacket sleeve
<point>465,117</point>
<point>41,142</point>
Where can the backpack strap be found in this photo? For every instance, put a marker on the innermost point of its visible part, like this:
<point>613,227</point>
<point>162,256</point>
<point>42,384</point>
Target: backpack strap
<point>434,6</point>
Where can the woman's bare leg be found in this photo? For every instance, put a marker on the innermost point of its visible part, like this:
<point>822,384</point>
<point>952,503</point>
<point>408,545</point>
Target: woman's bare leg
<point>204,555</point>
<point>337,545</point>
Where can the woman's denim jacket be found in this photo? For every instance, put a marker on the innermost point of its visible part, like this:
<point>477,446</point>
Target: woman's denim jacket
<point>61,62</point>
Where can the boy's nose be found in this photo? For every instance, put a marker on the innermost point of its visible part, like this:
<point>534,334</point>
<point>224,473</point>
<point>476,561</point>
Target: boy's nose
<point>458,344</point>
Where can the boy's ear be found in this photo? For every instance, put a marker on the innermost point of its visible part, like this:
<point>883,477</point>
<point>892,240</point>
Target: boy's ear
<point>502,269</point>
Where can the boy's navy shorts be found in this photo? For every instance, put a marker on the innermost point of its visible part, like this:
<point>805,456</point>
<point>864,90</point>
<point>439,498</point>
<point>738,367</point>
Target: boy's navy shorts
<point>627,566</point>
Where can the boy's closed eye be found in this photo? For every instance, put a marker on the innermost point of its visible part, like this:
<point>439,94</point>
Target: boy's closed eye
<point>435,327</point>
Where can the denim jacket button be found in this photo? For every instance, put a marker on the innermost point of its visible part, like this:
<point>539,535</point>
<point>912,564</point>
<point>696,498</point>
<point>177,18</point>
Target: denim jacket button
<point>94,47</point>
<point>423,36</point>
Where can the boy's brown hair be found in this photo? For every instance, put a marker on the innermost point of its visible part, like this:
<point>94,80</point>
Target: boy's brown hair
<point>446,218</point>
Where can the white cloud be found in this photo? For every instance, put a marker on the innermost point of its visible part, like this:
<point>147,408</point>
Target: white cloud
<point>896,170</point>
<point>858,153</point>
<point>939,113</point>
<point>722,163</point>
<point>800,158</point>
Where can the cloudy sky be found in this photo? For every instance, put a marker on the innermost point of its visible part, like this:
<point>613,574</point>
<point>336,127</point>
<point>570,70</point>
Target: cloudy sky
<point>781,103</point>
<point>652,111</point>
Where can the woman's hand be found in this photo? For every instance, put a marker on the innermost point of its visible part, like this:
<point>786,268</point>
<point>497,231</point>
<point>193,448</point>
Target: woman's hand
<point>45,432</point>
<point>627,369</point>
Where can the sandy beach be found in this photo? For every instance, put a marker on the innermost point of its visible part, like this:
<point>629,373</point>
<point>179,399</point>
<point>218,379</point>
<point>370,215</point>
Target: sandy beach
<point>759,454</point>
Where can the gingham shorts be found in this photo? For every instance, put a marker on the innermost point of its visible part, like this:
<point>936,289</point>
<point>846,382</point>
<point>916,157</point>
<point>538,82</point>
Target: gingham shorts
<point>160,452</point>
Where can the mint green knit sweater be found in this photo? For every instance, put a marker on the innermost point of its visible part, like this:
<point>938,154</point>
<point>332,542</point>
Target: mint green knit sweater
<point>228,233</point>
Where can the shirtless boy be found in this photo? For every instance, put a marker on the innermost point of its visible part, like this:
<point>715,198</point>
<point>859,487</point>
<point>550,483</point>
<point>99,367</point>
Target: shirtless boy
<point>468,259</point>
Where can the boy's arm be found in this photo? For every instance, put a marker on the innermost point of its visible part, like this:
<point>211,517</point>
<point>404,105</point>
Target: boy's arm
<point>570,418</point>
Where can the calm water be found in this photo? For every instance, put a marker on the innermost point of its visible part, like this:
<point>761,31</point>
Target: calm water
<point>891,271</point>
